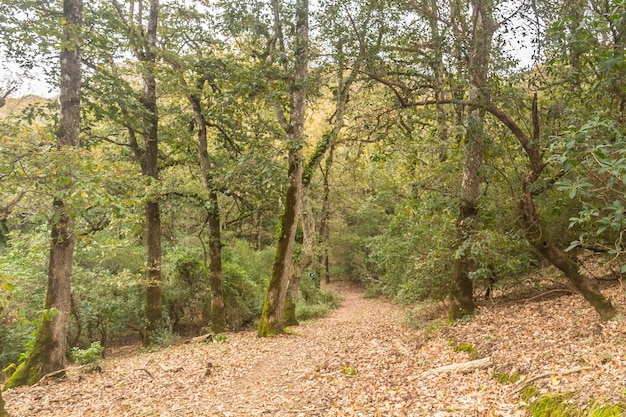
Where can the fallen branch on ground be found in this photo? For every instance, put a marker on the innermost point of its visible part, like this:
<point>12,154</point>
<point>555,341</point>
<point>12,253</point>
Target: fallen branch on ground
<point>568,290</point>
<point>60,371</point>
<point>463,367</point>
<point>548,374</point>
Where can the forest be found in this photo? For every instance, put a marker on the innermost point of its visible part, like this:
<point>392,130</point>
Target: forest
<point>201,168</point>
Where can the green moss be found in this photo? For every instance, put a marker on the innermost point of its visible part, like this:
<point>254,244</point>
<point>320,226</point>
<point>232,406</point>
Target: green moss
<point>289,313</point>
<point>3,412</point>
<point>505,378</point>
<point>468,348</point>
<point>266,328</point>
<point>33,368</point>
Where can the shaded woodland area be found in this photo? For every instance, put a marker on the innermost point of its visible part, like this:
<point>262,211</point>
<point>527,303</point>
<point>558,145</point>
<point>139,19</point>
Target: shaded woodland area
<point>205,166</point>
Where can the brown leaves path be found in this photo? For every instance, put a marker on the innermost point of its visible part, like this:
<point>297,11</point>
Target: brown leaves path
<point>360,361</point>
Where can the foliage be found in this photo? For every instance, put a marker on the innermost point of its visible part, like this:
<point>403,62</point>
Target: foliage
<point>593,162</point>
<point>89,356</point>
<point>313,302</point>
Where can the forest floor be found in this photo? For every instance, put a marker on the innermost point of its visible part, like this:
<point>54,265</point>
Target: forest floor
<point>364,359</point>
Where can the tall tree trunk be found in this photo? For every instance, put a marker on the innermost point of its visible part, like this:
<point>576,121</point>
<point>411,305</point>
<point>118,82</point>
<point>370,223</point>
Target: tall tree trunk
<point>3,412</point>
<point>49,351</point>
<point>462,290</point>
<point>272,315</point>
<point>154,317</point>
<point>218,313</point>
<point>530,221</point>
<point>324,233</point>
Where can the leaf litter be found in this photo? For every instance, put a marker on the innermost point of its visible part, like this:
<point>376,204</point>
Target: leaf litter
<point>362,360</point>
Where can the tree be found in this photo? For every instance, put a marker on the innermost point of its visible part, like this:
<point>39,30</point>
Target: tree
<point>50,346</point>
<point>467,223</point>
<point>119,95</point>
<point>272,315</point>
<point>530,220</point>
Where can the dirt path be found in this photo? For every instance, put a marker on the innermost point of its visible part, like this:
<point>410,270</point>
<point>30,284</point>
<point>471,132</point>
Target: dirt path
<point>360,361</point>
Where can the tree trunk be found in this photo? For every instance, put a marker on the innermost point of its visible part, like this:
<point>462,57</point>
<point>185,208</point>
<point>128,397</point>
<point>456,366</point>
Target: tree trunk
<point>50,345</point>
<point>3,412</point>
<point>154,316</point>
<point>272,315</point>
<point>303,262</point>
<point>324,233</point>
<point>541,241</point>
<point>530,221</point>
<point>462,289</point>
<point>218,313</point>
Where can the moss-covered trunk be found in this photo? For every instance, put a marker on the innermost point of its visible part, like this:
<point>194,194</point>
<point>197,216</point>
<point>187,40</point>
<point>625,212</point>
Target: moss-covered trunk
<point>271,321</point>
<point>303,261</point>
<point>3,412</point>
<point>538,237</point>
<point>49,349</point>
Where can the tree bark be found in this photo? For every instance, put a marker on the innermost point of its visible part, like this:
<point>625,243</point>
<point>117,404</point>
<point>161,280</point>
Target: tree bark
<point>324,233</point>
<point>3,412</point>
<point>530,221</point>
<point>154,317</point>
<point>302,262</point>
<point>49,351</point>
<point>271,322</point>
<point>218,313</point>
<point>462,285</point>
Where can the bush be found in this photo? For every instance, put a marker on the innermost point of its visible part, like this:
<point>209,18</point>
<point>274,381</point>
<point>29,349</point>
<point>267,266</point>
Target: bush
<point>88,357</point>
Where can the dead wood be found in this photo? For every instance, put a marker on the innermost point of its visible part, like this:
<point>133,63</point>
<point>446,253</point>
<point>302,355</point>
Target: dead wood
<point>463,367</point>
<point>549,374</point>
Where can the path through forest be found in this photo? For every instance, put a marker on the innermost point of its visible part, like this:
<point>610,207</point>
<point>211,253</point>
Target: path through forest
<point>362,360</point>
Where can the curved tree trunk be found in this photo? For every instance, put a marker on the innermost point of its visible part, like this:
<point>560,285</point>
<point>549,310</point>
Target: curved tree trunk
<point>271,322</point>
<point>542,242</point>
<point>50,345</point>
<point>530,221</point>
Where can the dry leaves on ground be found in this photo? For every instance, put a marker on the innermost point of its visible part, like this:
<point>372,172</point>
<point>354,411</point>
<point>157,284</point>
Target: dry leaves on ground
<point>361,361</point>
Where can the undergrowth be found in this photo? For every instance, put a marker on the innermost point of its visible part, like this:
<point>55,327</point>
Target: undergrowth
<point>563,405</point>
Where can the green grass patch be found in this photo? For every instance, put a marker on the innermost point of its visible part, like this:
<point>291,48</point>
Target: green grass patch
<point>562,405</point>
